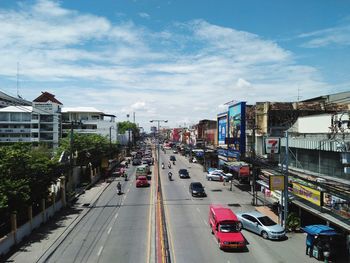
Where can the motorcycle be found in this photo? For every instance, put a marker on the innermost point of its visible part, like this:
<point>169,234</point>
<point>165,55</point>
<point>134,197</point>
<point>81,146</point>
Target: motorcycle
<point>119,188</point>
<point>170,175</point>
<point>126,177</point>
<point>162,166</point>
<point>173,162</point>
<point>169,166</point>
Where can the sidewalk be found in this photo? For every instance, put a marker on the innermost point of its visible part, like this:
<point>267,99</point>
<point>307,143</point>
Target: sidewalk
<point>44,240</point>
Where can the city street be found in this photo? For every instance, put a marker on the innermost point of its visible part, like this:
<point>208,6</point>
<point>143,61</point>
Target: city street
<point>120,228</point>
<point>187,220</point>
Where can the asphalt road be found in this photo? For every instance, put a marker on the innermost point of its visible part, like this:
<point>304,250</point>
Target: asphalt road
<point>187,219</point>
<point>116,229</point>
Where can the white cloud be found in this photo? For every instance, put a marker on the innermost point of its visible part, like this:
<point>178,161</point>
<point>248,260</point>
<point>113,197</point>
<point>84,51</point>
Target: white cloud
<point>144,15</point>
<point>339,35</point>
<point>181,73</point>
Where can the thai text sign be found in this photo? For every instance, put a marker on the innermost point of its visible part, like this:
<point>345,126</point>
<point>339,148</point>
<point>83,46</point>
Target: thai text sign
<point>307,193</point>
<point>276,182</point>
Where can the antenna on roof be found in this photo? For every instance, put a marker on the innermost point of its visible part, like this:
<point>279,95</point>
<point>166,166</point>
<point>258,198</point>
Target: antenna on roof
<point>17,78</point>
<point>299,97</point>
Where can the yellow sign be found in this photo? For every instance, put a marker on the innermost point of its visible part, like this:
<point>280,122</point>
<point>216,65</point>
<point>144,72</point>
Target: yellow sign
<point>276,182</point>
<point>307,193</point>
<point>104,163</point>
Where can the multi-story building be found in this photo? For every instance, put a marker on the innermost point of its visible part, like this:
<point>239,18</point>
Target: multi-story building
<point>7,100</point>
<point>40,122</point>
<point>88,120</point>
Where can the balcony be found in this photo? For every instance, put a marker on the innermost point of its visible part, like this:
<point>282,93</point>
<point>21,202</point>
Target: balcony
<point>15,139</point>
<point>15,130</point>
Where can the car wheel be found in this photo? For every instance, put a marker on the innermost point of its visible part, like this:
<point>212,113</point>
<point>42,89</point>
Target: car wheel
<point>240,226</point>
<point>264,235</point>
<point>209,179</point>
<point>219,244</point>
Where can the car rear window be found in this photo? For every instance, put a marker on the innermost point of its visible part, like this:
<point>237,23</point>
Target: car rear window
<point>266,221</point>
<point>197,185</point>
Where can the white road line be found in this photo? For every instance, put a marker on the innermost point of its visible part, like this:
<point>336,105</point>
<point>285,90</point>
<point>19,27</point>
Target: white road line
<point>198,210</point>
<point>205,222</point>
<point>228,261</point>
<point>109,230</point>
<point>100,251</point>
<point>116,215</point>
<point>128,190</point>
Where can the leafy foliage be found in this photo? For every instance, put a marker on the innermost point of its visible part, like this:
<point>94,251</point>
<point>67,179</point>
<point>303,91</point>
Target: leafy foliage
<point>126,125</point>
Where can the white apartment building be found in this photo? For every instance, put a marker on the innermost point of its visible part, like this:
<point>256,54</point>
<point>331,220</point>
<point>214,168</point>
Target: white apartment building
<point>38,123</point>
<point>89,120</point>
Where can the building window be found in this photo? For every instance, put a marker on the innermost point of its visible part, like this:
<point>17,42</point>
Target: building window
<point>35,117</point>
<point>4,116</point>
<point>15,116</point>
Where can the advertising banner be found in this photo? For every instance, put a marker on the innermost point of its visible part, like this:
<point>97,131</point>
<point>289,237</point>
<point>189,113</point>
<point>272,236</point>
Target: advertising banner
<point>222,129</point>
<point>236,127</point>
<point>307,193</point>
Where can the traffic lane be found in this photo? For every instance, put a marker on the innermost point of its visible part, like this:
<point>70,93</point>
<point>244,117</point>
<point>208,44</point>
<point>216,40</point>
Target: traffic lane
<point>79,244</point>
<point>189,233</point>
<point>128,237</point>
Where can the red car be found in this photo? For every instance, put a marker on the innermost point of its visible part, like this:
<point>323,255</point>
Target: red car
<point>142,181</point>
<point>225,226</point>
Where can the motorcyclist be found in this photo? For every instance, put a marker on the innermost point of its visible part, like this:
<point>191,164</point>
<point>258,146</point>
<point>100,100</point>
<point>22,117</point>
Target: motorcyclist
<point>126,176</point>
<point>119,187</point>
<point>162,165</point>
<point>169,165</point>
<point>173,162</point>
<point>170,175</point>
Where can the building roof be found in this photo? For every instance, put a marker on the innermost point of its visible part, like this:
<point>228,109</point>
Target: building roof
<point>27,109</point>
<point>81,109</point>
<point>9,100</point>
<point>46,97</point>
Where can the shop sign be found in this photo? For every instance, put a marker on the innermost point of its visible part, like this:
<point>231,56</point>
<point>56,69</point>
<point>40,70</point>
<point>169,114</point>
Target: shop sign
<point>276,182</point>
<point>337,205</point>
<point>272,145</point>
<point>307,193</point>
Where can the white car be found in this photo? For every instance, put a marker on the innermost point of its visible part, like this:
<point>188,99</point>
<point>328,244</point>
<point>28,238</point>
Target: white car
<point>219,175</point>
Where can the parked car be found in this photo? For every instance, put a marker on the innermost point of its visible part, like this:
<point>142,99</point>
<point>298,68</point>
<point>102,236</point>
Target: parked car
<point>219,175</point>
<point>183,173</point>
<point>262,225</point>
<point>197,189</point>
<point>142,181</point>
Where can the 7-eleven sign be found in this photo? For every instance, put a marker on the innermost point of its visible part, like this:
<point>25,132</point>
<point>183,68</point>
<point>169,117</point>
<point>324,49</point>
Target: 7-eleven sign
<point>272,145</point>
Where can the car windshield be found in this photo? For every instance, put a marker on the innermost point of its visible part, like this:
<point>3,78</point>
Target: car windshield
<point>266,221</point>
<point>228,228</point>
<point>183,171</point>
<point>197,186</point>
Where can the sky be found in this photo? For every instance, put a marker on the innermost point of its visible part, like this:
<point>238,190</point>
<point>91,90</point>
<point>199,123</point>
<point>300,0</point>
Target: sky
<point>175,60</point>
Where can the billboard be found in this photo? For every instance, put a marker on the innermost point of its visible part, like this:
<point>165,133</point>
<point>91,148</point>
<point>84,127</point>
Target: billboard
<point>276,182</point>
<point>236,127</point>
<point>307,193</point>
<point>222,129</point>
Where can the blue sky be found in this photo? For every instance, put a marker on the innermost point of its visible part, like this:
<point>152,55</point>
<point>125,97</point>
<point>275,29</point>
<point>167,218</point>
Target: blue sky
<point>177,60</point>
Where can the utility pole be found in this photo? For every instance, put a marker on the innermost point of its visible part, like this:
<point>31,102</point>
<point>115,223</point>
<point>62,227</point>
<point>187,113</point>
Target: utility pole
<point>253,172</point>
<point>285,192</point>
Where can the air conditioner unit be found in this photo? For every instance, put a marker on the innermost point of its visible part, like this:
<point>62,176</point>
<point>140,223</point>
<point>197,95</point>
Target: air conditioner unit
<point>345,158</point>
<point>347,170</point>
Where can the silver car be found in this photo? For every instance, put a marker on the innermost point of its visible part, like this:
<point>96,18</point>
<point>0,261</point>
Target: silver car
<point>261,224</point>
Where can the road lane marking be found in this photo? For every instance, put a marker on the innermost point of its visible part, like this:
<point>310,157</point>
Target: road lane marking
<point>109,230</point>
<point>128,190</point>
<point>198,210</point>
<point>228,261</point>
<point>100,251</point>
<point>149,224</point>
<point>116,215</point>
<point>205,222</point>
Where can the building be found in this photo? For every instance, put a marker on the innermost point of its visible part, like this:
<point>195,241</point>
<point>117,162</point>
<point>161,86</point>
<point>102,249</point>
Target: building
<point>88,120</point>
<point>7,100</point>
<point>40,122</point>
